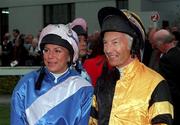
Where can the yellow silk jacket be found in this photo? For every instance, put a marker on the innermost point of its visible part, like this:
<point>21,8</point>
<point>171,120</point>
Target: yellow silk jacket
<point>141,97</point>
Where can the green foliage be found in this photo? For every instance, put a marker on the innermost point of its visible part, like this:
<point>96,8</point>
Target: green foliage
<point>4,114</point>
<point>7,84</point>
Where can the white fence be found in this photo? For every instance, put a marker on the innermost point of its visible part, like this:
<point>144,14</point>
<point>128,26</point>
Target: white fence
<point>19,70</point>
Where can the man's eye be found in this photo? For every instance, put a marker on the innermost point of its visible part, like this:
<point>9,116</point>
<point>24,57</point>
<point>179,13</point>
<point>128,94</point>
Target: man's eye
<point>115,42</point>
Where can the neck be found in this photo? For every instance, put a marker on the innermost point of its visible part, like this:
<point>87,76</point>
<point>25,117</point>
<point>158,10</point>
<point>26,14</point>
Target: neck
<point>58,75</point>
<point>127,62</point>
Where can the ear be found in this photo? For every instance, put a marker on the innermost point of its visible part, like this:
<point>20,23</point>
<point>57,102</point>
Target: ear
<point>69,59</point>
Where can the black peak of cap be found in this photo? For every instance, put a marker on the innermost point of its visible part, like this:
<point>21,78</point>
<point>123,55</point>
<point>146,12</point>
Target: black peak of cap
<point>107,11</point>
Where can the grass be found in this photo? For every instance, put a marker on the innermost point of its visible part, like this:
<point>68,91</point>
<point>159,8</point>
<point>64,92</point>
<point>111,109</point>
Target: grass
<point>4,114</point>
<point>7,84</point>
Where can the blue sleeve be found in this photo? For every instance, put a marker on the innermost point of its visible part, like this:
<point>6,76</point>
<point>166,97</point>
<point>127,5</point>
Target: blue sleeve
<point>86,106</point>
<point>17,108</point>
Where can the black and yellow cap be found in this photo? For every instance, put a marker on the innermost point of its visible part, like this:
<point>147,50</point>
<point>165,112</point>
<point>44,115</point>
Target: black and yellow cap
<point>113,19</point>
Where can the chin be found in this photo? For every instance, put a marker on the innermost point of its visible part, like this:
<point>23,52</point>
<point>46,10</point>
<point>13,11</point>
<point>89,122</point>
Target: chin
<point>113,64</point>
<point>51,68</point>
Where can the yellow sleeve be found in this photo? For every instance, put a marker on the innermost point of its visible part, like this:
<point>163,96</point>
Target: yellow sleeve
<point>160,124</point>
<point>160,108</point>
<point>93,120</point>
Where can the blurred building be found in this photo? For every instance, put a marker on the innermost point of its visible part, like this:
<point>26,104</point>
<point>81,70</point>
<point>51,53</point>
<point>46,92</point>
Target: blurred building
<point>30,16</point>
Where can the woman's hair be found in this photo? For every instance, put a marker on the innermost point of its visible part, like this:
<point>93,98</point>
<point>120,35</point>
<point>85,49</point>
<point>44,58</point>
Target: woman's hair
<point>104,92</point>
<point>40,78</point>
<point>95,45</point>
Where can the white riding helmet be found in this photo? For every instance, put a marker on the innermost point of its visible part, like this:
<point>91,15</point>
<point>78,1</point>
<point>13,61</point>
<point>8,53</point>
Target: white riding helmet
<point>60,34</point>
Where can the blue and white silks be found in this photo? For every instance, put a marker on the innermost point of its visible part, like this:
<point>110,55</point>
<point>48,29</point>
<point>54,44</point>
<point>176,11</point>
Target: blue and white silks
<point>67,102</point>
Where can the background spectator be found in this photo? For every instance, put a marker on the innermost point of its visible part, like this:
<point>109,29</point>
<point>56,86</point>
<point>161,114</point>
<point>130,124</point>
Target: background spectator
<point>7,49</point>
<point>169,66</point>
<point>20,53</point>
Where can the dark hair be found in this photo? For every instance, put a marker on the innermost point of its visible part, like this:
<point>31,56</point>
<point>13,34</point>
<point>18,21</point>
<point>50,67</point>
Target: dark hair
<point>16,31</point>
<point>80,31</point>
<point>40,78</point>
<point>96,45</point>
<point>104,91</point>
<point>176,35</point>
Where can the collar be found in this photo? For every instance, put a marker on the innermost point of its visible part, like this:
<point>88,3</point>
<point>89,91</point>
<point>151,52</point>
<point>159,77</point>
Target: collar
<point>128,72</point>
<point>56,76</point>
<point>131,67</point>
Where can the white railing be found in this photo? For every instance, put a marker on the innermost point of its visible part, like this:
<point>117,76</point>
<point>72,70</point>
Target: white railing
<point>19,70</point>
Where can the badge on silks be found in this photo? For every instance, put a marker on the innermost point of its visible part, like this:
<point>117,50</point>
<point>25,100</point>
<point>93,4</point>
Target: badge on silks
<point>155,16</point>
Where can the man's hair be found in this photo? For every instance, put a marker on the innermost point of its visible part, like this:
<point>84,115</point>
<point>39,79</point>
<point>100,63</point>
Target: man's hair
<point>164,36</point>
<point>169,38</point>
<point>16,31</point>
<point>130,41</point>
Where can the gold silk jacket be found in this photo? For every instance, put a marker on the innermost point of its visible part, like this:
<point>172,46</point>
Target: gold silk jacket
<point>141,97</point>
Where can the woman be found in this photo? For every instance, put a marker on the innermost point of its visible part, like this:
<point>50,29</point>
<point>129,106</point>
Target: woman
<point>55,94</point>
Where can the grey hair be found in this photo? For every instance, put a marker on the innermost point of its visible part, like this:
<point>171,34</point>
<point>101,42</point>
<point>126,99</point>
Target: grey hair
<point>168,38</point>
<point>130,41</point>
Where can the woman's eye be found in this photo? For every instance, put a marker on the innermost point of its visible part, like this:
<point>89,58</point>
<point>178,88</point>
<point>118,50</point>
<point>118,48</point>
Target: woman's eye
<point>57,51</point>
<point>45,50</point>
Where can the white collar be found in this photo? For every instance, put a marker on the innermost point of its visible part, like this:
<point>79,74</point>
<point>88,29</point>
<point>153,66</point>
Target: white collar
<point>58,75</point>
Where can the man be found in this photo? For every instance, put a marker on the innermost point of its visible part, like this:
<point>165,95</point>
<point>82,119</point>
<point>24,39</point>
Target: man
<point>169,66</point>
<point>16,35</point>
<point>155,53</point>
<point>7,48</point>
<point>55,94</point>
<point>140,96</point>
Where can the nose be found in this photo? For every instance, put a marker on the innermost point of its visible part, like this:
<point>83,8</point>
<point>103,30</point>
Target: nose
<point>107,49</point>
<point>83,43</point>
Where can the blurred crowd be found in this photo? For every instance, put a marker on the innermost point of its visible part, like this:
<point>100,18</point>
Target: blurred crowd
<point>19,50</point>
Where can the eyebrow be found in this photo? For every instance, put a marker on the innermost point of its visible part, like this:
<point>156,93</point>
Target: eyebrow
<point>59,47</point>
<point>116,38</point>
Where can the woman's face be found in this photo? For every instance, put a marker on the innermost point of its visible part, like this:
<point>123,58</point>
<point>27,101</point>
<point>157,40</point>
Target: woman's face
<point>116,49</point>
<point>82,45</point>
<point>56,58</point>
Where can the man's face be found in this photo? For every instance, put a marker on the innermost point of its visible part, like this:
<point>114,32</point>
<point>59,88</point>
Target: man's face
<point>153,42</point>
<point>15,34</point>
<point>116,49</point>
